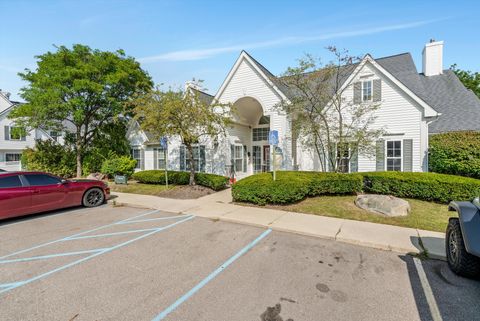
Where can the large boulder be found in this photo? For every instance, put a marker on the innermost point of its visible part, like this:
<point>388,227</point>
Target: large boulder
<point>384,204</point>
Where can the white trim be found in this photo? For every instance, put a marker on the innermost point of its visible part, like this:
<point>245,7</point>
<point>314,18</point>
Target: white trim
<point>428,111</point>
<point>246,57</point>
<point>398,157</point>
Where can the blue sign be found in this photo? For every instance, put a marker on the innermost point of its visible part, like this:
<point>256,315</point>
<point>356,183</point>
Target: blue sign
<point>164,142</point>
<point>273,137</point>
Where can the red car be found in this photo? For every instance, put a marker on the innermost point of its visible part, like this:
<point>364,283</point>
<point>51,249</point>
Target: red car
<point>23,193</point>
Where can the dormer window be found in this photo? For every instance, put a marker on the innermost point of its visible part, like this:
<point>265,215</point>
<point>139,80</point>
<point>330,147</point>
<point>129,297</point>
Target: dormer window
<point>367,90</point>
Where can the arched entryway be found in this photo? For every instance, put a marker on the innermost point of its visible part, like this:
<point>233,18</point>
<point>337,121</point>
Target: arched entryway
<point>250,150</point>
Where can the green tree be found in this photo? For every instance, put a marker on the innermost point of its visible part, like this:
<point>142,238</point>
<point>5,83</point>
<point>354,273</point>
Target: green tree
<point>471,80</point>
<point>335,127</point>
<point>80,91</point>
<point>183,114</point>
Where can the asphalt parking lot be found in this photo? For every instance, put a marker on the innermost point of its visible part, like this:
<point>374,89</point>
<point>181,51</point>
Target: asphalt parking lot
<point>121,263</point>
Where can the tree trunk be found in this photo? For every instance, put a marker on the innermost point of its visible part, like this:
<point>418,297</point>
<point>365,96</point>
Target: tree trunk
<point>78,145</point>
<point>79,163</point>
<point>192,164</point>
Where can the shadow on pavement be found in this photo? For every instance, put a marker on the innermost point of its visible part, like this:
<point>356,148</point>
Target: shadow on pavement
<point>456,297</point>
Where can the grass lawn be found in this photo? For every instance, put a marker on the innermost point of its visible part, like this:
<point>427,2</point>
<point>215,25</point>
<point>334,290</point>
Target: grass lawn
<point>424,215</point>
<point>138,188</point>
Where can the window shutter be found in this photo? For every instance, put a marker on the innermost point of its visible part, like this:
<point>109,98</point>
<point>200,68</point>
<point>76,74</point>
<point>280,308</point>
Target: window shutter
<point>24,138</point>
<point>380,155</point>
<point>182,158</point>
<point>142,159</point>
<point>408,155</point>
<point>7,133</point>
<point>202,158</point>
<point>244,158</point>
<point>377,90</point>
<point>232,156</point>
<point>155,158</point>
<point>357,92</point>
<point>354,159</point>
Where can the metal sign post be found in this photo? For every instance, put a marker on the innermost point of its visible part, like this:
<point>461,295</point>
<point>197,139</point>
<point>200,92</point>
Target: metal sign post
<point>273,140</point>
<point>164,144</point>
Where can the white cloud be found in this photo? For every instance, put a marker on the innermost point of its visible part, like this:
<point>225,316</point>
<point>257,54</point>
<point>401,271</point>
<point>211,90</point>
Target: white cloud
<point>199,54</point>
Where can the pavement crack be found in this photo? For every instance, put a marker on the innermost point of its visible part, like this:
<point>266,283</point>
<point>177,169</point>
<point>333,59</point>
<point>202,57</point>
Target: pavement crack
<point>338,232</point>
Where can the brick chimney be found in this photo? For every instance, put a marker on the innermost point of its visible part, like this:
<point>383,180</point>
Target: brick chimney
<point>433,58</point>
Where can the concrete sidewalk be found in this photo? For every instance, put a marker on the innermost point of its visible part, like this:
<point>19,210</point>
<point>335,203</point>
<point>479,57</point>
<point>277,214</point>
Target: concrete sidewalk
<point>218,206</point>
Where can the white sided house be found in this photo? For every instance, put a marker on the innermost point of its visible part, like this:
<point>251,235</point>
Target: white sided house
<point>412,106</point>
<point>12,142</point>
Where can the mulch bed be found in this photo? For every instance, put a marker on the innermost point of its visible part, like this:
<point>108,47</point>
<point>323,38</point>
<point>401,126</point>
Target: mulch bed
<point>187,192</point>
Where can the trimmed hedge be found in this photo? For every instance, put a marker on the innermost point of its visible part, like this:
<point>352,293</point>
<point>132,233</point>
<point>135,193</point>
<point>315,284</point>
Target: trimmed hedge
<point>455,153</point>
<point>292,187</point>
<point>424,186</point>
<point>215,182</point>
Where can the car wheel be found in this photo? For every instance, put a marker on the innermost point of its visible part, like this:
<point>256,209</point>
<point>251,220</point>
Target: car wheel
<point>460,261</point>
<point>93,197</point>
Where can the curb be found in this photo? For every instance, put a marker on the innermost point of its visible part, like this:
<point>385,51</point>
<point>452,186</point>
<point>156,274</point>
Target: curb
<point>383,247</point>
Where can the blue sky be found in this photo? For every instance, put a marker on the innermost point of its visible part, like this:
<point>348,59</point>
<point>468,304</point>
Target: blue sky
<point>178,40</point>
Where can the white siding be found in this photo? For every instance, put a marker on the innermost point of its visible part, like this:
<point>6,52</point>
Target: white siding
<point>398,114</point>
<point>248,82</point>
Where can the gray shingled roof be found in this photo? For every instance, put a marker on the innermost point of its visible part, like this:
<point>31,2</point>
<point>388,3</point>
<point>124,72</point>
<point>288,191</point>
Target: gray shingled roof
<point>459,107</point>
<point>203,96</point>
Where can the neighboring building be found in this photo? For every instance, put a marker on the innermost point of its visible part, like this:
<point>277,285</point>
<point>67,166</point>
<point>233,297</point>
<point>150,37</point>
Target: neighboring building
<point>413,105</point>
<point>12,142</point>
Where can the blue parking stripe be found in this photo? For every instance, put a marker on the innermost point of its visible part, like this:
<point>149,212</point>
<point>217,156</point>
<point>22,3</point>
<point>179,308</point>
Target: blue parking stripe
<point>44,257</point>
<point>204,282</point>
<point>108,234</point>
<point>38,277</point>
<point>74,235</point>
<point>153,219</point>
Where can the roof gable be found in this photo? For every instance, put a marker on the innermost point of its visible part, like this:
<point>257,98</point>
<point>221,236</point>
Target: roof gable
<point>266,75</point>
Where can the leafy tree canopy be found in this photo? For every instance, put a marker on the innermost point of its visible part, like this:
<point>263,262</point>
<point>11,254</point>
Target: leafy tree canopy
<point>471,80</point>
<point>183,114</point>
<point>80,90</point>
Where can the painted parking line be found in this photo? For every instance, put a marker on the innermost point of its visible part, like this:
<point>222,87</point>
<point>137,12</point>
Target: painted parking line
<point>77,234</point>
<point>432,304</point>
<point>210,277</point>
<point>10,286</point>
<point>44,257</point>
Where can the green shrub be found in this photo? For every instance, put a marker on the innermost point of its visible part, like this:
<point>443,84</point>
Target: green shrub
<point>423,186</point>
<point>455,153</point>
<point>215,182</point>
<point>157,176</point>
<point>290,187</point>
<point>48,156</point>
<point>123,165</point>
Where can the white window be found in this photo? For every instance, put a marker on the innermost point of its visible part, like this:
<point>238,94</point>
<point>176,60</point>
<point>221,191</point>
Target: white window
<point>343,158</point>
<point>137,155</point>
<point>12,157</point>
<point>394,155</point>
<point>367,90</point>
<point>238,158</point>
<point>161,163</point>
<point>260,134</point>
<point>198,157</point>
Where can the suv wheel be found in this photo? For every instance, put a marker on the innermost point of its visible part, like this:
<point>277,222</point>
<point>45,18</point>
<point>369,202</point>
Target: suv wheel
<point>460,261</point>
